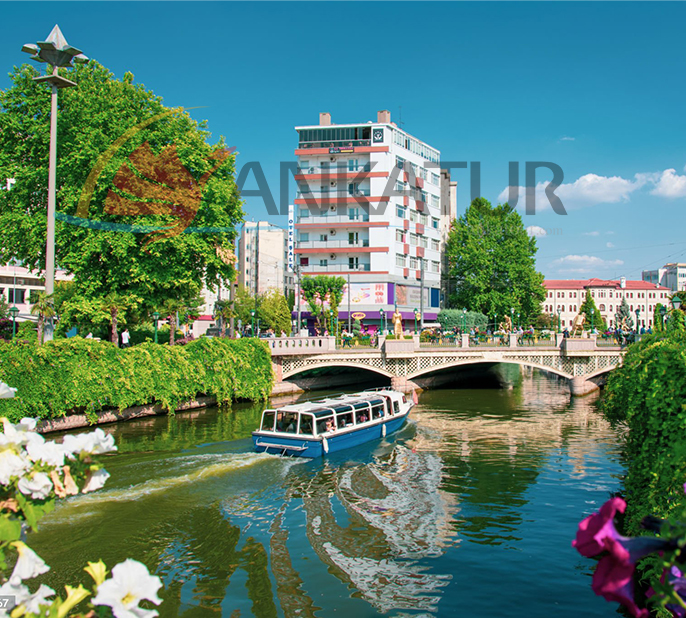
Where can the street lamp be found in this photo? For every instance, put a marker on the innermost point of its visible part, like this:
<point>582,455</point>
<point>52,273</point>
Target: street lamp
<point>592,319</point>
<point>559,323</point>
<point>518,321</point>
<point>464,320</point>
<point>382,323</point>
<point>252,323</point>
<point>14,311</point>
<point>676,302</point>
<point>59,54</point>
<point>495,323</point>
<point>416,314</point>
<point>512,312</point>
<point>156,316</point>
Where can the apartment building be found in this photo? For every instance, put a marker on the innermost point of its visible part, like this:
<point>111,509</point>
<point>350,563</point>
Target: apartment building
<point>371,207</point>
<point>262,258</point>
<point>672,276</point>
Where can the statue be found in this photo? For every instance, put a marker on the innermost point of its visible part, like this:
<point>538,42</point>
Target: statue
<point>578,324</point>
<point>506,325</point>
<point>397,320</point>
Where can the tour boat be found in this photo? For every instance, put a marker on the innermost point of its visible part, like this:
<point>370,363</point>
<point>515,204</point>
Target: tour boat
<point>315,428</point>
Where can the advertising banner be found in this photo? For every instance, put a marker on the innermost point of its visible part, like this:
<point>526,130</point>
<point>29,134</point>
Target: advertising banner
<point>364,294</point>
<point>409,296</point>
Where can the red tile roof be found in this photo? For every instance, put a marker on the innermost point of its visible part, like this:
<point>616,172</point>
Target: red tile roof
<point>577,284</point>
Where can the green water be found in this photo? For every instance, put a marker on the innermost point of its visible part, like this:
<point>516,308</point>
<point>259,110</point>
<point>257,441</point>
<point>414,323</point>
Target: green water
<point>468,511</point>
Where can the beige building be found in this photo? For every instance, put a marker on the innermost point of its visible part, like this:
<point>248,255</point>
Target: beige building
<point>262,257</point>
<point>672,276</point>
<point>565,297</point>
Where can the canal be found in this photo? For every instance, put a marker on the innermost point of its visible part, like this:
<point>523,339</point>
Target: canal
<point>469,511</point>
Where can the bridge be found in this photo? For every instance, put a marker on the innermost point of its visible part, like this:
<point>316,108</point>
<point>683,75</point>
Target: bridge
<point>584,362</point>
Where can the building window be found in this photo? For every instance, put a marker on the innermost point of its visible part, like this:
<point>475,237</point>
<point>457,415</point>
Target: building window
<point>353,214</point>
<point>414,263</point>
<point>323,262</point>
<point>353,263</point>
<point>434,244</point>
<point>400,260</point>
<point>414,216</point>
<point>413,239</point>
<point>304,213</point>
<point>401,212</point>
<point>323,237</point>
<point>304,261</point>
<point>400,235</point>
<point>423,242</point>
<point>18,299</point>
<point>434,223</point>
<point>304,237</point>
<point>434,267</point>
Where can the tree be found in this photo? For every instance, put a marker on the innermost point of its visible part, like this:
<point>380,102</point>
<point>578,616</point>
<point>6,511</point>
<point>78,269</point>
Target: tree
<point>244,303</point>
<point>4,308</point>
<point>623,314</point>
<point>43,308</point>
<point>274,312</point>
<point>492,260</point>
<point>323,295</point>
<point>451,318</point>
<point>179,180</point>
<point>224,311</point>
<point>593,317</point>
<point>114,304</point>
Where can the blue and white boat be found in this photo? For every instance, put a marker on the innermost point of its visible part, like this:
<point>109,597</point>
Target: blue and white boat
<point>315,428</point>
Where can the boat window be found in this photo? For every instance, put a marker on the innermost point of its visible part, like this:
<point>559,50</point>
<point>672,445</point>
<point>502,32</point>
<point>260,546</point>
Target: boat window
<point>344,420</point>
<point>306,424</point>
<point>322,422</point>
<point>396,407</point>
<point>268,420</point>
<point>404,399</point>
<point>286,421</point>
<point>362,416</point>
<point>377,411</point>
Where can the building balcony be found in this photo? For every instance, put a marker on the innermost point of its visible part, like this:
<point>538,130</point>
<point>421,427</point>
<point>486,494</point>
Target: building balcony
<point>327,192</point>
<point>334,245</point>
<point>332,198</point>
<point>346,143</point>
<point>334,268</point>
<point>323,247</point>
<point>323,219</point>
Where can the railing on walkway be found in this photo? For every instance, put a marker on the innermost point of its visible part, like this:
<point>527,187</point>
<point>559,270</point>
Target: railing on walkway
<point>442,342</point>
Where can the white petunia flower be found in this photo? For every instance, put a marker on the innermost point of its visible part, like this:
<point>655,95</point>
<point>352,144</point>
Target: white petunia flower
<point>38,485</point>
<point>39,598</point>
<point>96,481</point>
<point>129,585</point>
<point>16,590</point>
<point>12,464</point>
<point>29,564</point>
<point>49,453</point>
<point>13,434</point>
<point>28,424</point>
<point>94,443</point>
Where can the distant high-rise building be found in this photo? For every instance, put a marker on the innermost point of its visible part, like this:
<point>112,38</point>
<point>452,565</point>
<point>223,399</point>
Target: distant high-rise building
<point>372,206</point>
<point>262,257</point>
<point>672,276</point>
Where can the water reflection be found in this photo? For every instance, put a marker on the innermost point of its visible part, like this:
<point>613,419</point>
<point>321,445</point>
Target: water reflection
<point>419,524</point>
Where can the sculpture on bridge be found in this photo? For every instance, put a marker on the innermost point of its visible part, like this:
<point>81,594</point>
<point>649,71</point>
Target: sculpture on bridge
<point>578,324</point>
<point>506,325</point>
<point>397,320</point>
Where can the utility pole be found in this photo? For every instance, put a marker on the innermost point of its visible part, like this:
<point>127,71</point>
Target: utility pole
<point>350,326</point>
<point>297,298</point>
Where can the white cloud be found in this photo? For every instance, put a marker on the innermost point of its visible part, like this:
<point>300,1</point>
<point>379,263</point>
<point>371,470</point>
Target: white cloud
<point>584,264</point>
<point>534,230</point>
<point>596,233</point>
<point>609,245</point>
<point>610,233</point>
<point>670,184</point>
<point>567,139</point>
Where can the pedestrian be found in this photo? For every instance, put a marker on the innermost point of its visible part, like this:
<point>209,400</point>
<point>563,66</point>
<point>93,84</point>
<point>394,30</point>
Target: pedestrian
<point>125,338</point>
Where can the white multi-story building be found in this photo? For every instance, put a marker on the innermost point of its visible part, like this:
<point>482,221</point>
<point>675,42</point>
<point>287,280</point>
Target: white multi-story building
<point>262,258</point>
<point>565,297</point>
<point>369,209</point>
<point>19,287</point>
<point>672,276</point>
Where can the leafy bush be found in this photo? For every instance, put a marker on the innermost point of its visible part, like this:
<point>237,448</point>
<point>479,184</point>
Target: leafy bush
<point>86,376</point>
<point>449,318</point>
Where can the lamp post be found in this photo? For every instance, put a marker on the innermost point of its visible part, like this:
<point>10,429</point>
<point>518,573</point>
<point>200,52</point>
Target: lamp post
<point>495,323</point>
<point>416,315</point>
<point>512,312</point>
<point>382,323</point>
<point>663,313</point>
<point>252,323</point>
<point>156,316</point>
<point>464,320</point>
<point>559,323</point>
<point>592,319</point>
<point>14,311</point>
<point>59,54</point>
<point>676,302</point>
<point>519,323</point>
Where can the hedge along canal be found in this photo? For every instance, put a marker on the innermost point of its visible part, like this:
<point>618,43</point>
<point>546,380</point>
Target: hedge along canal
<point>71,378</point>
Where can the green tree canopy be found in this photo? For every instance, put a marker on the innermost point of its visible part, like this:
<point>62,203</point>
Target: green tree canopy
<point>449,318</point>
<point>593,317</point>
<point>274,312</point>
<point>323,295</point>
<point>163,177</point>
<point>492,262</point>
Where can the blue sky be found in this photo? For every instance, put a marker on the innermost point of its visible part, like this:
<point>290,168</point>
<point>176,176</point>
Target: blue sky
<point>597,88</point>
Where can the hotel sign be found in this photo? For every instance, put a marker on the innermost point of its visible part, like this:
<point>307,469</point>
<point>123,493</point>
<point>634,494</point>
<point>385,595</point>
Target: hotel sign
<point>290,254</point>
<point>341,150</point>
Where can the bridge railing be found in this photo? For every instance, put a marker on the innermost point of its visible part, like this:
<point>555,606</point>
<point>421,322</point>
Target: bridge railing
<point>284,346</point>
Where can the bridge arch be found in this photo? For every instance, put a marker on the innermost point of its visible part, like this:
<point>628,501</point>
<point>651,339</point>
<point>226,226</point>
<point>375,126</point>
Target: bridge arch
<point>291,373</point>
<point>482,361</point>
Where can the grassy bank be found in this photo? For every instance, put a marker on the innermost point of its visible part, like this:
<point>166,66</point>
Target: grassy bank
<point>86,376</point>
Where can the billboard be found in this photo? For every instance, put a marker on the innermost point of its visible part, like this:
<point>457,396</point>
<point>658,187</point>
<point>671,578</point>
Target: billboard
<point>409,296</point>
<point>364,294</point>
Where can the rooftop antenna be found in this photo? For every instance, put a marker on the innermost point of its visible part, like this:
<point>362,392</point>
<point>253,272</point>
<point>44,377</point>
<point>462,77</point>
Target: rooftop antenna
<point>400,116</point>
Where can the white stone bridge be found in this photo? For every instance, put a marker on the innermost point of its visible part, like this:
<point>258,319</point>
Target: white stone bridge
<point>582,361</point>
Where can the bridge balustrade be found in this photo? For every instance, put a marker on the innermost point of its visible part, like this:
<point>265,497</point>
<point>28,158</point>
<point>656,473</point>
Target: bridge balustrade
<point>285,346</point>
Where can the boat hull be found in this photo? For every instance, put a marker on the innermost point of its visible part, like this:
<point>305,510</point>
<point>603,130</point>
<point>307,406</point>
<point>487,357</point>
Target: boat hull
<point>332,443</point>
